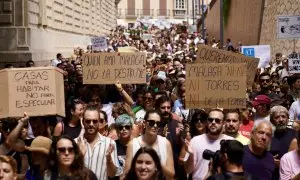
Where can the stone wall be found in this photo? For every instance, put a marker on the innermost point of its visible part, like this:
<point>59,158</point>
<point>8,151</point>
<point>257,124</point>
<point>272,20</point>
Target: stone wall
<point>274,8</point>
<point>38,29</point>
<point>244,21</point>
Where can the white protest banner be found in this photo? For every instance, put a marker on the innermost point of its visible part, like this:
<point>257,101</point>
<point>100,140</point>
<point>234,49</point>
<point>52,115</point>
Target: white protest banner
<point>108,68</point>
<point>263,52</point>
<point>99,43</point>
<point>38,91</point>
<point>288,27</point>
<point>212,85</point>
<point>294,63</point>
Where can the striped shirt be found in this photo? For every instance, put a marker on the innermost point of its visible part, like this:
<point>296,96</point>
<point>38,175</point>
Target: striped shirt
<point>95,159</point>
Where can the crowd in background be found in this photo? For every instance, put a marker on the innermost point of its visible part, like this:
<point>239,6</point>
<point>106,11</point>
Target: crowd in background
<point>145,131</point>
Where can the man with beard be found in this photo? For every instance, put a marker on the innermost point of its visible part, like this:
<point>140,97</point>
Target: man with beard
<point>100,153</point>
<point>232,124</point>
<point>283,136</point>
<point>265,82</point>
<point>210,140</point>
<point>171,129</point>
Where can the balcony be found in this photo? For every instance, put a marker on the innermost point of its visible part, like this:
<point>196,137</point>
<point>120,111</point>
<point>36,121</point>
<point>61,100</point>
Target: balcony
<point>146,12</point>
<point>179,13</point>
<point>164,12</point>
<point>132,13</point>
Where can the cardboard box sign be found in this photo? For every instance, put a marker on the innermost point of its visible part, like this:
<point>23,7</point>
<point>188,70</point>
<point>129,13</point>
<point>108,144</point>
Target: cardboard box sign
<point>38,91</point>
<point>207,54</point>
<point>212,85</point>
<point>108,68</point>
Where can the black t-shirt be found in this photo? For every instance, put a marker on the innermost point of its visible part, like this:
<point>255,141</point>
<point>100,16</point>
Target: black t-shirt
<point>231,175</point>
<point>121,153</point>
<point>73,132</point>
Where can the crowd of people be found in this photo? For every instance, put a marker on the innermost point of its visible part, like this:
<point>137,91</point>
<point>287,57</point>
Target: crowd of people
<point>145,131</point>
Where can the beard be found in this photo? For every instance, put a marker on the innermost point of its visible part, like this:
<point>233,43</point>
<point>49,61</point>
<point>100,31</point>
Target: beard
<point>216,131</point>
<point>281,127</point>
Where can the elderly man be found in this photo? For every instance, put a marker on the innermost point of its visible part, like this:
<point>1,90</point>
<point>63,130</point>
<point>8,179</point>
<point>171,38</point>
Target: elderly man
<point>290,164</point>
<point>283,136</point>
<point>257,160</point>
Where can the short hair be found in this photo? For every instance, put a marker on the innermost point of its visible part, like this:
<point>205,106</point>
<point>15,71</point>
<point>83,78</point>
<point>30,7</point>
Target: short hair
<point>58,55</point>
<point>90,107</point>
<point>234,150</point>
<point>162,100</point>
<point>278,54</point>
<point>11,161</point>
<point>264,74</point>
<point>255,125</point>
<point>277,109</point>
<point>233,111</point>
<point>218,110</point>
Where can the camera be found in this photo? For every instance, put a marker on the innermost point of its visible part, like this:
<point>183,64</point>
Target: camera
<point>215,156</point>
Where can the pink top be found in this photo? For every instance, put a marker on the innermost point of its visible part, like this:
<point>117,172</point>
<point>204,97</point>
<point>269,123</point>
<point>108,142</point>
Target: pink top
<point>289,165</point>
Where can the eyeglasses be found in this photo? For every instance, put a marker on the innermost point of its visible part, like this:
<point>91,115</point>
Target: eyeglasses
<point>201,121</point>
<point>265,80</point>
<point>120,128</point>
<point>65,149</point>
<point>151,123</point>
<point>88,121</point>
<point>217,120</point>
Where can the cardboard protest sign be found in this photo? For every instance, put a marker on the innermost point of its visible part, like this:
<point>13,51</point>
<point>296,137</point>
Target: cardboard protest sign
<point>108,68</point>
<point>208,54</point>
<point>294,63</point>
<point>128,49</point>
<point>212,85</point>
<point>263,52</point>
<point>99,43</point>
<point>38,91</point>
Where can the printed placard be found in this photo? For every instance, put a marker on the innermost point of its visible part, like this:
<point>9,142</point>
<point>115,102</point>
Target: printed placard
<point>294,63</point>
<point>108,68</point>
<point>99,43</point>
<point>212,85</point>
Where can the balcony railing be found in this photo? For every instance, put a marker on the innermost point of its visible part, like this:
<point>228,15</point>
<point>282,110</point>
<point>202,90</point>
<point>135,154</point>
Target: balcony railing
<point>179,13</point>
<point>147,12</point>
<point>164,12</point>
<point>132,13</point>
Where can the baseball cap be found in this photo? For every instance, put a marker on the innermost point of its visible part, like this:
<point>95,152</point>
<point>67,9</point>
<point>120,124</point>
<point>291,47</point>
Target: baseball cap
<point>261,99</point>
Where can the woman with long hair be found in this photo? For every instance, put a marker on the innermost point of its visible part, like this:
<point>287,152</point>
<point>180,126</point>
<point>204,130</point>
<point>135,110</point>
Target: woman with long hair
<point>67,161</point>
<point>145,166</point>
<point>150,138</point>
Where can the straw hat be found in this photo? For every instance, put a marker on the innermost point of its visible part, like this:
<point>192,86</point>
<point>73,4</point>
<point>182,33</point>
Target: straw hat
<point>40,144</point>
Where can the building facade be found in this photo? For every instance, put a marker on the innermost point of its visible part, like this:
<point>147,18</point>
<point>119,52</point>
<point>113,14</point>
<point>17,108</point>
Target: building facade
<point>172,10</point>
<point>38,29</point>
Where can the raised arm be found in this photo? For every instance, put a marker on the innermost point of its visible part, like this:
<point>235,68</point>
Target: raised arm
<point>127,98</point>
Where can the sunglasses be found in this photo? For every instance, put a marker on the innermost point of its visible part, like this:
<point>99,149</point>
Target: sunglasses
<point>265,80</point>
<point>152,123</point>
<point>65,149</point>
<point>120,128</point>
<point>275,86</point>
<point>217,120</point>
<point>88,121</point>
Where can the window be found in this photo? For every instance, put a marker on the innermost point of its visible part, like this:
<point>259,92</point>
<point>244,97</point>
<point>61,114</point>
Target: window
<point>179,4</point>
<point>197,7</point>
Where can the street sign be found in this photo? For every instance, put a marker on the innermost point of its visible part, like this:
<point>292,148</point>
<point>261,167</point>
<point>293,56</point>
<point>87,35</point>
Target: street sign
<point>288,27</point>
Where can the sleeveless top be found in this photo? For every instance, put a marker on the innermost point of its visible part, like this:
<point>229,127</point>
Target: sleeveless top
<point>161,149</point>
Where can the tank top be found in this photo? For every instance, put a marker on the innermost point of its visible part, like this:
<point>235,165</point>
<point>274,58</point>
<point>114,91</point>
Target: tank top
<point>161,149</point>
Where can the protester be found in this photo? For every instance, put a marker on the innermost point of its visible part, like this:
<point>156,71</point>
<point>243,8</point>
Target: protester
<point>150,138</point>
<point>232,124</point>
<point>66,161</point>
<point>8,168</point>
<point>210,140</point>
<point>257,160</point>
<point>92,144</point>
<point>145,166</point>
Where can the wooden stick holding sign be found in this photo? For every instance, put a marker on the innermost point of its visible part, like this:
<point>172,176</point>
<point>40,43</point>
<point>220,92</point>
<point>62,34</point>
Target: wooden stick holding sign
<point>107,68</point>
<point>208,54</point>
<point>211,85</point>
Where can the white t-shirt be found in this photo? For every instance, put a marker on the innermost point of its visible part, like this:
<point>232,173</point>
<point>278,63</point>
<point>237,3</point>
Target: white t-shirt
<point>140,115</point>
<point>108,109</point>
<point>294,112</point>
<point>199,144</point>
